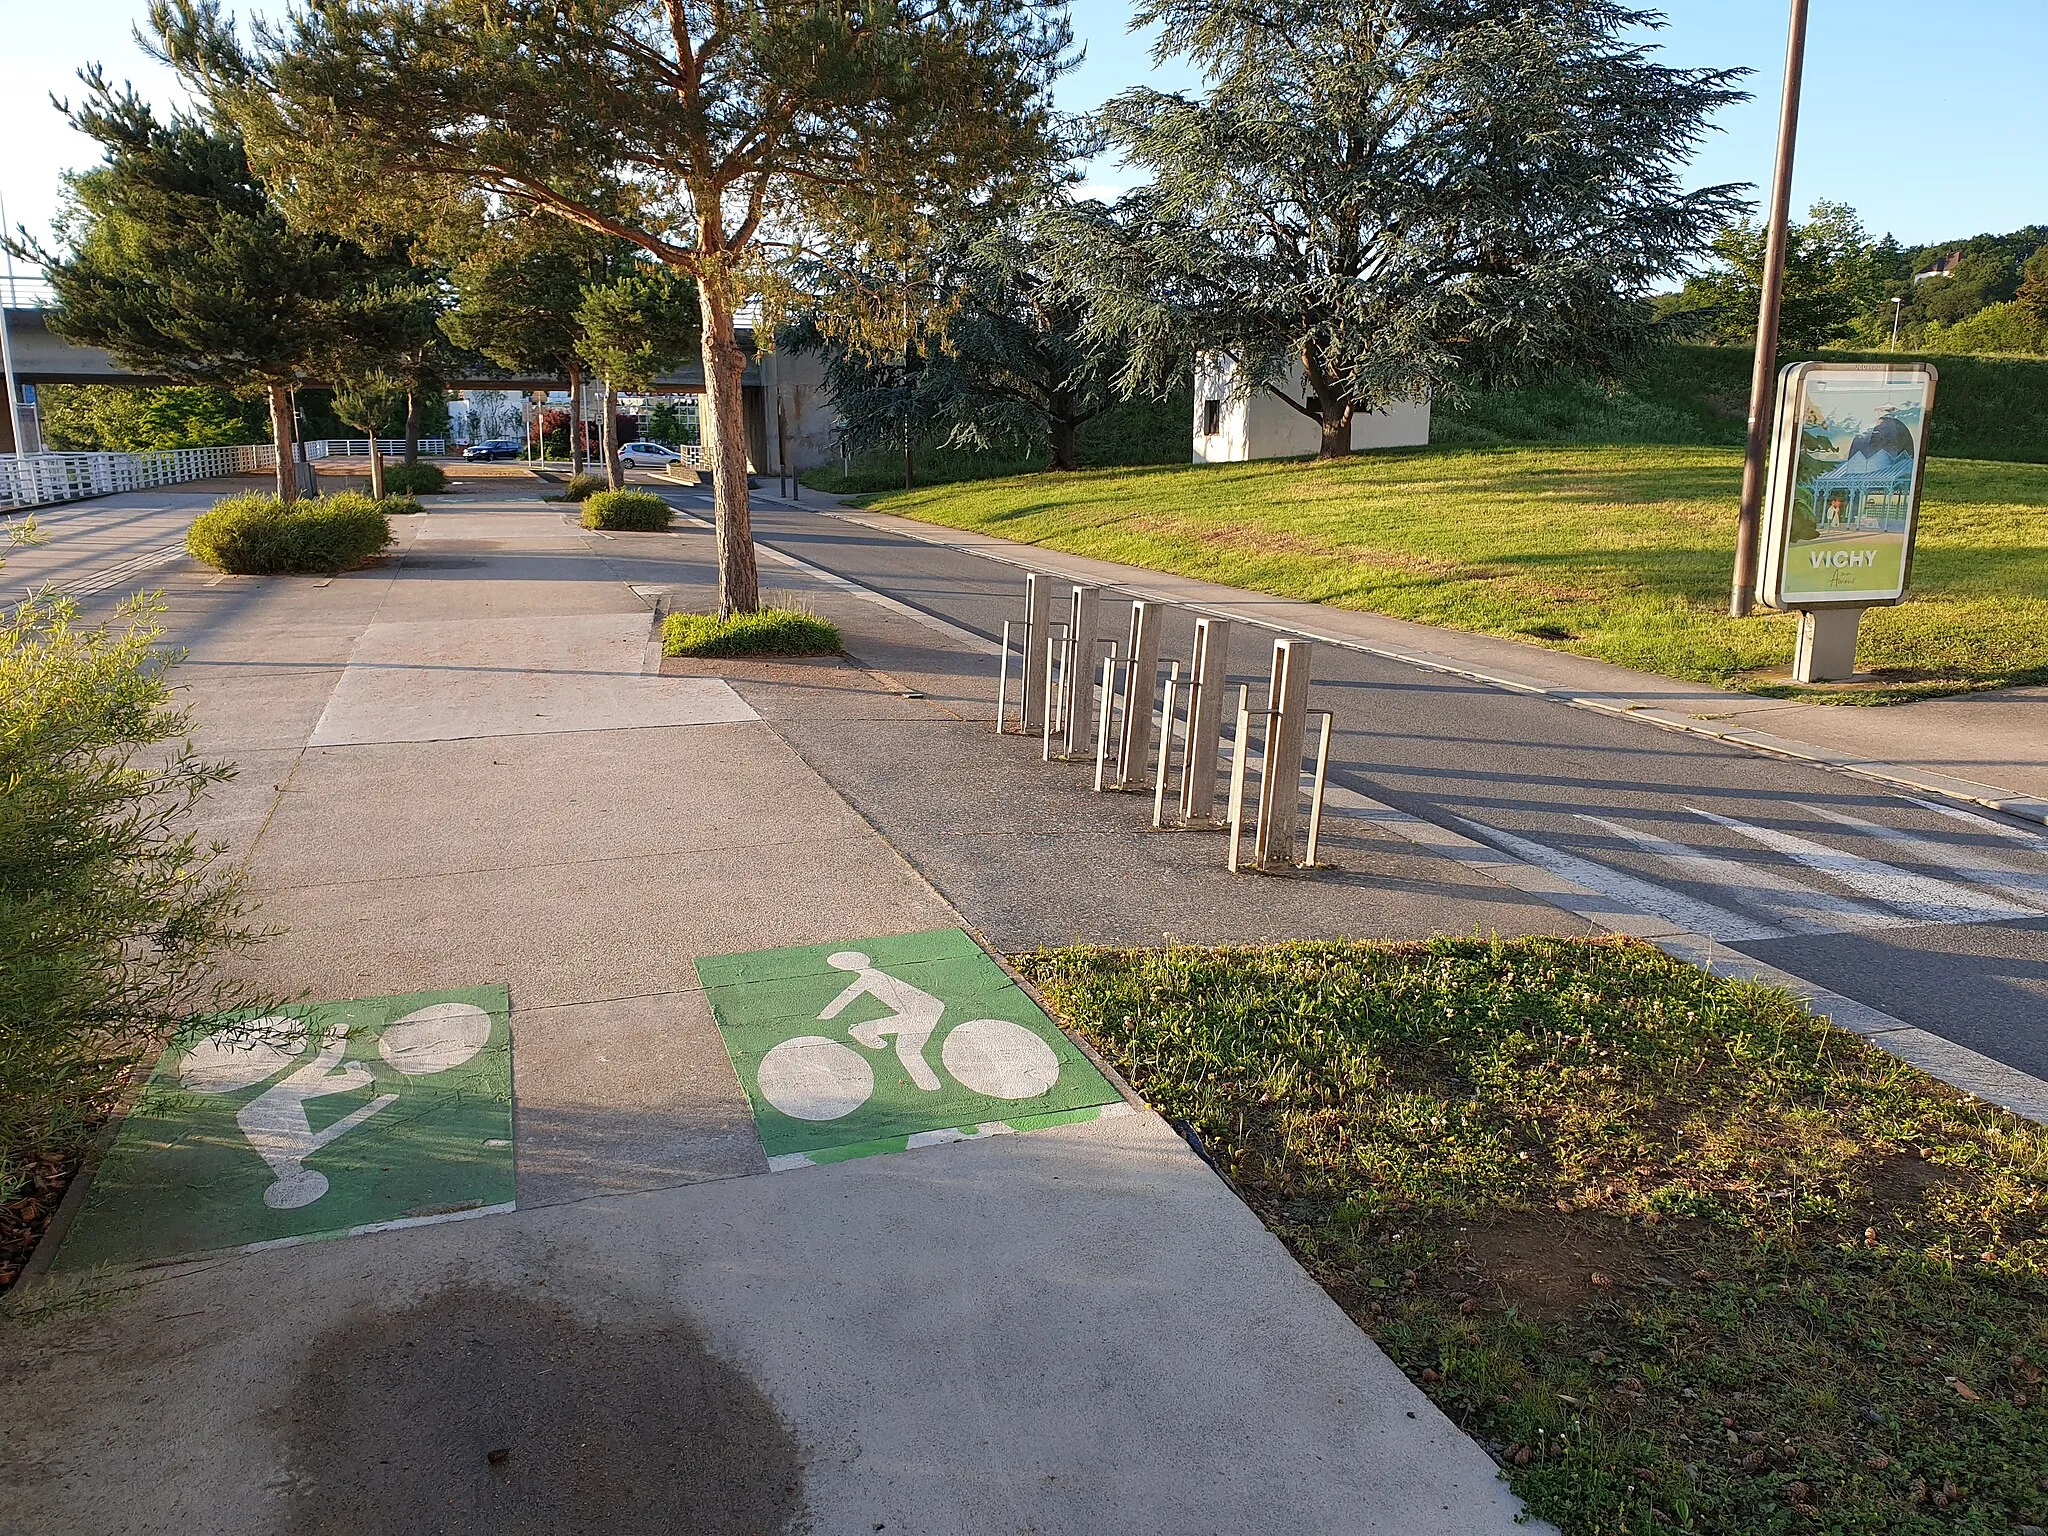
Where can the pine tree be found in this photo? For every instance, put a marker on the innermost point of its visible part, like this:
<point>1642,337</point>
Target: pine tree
<point>715,135</point>
<point>1402,198</point>
<point>179,263</point>
<point>636,327</point>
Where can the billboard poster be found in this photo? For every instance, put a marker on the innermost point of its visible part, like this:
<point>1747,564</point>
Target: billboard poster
<point>1846,462</point>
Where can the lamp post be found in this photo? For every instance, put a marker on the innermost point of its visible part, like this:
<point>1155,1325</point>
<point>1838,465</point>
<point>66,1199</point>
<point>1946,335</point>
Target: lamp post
<point>1763,378</point>
<point>1898,308</point>
<point>7,349</point>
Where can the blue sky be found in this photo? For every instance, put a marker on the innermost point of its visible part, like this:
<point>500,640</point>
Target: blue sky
<point>1928,118</point>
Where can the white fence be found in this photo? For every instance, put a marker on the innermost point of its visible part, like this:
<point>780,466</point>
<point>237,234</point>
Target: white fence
<point>35,479</point>
<point>359,447</point>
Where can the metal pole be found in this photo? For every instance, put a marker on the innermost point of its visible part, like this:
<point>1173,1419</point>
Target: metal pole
<point>1239,748</point>
<point>1168,709</point>
<point>1322,784</point>
<point>1764,376</point>
<point>7,350</point>
<point>1003,684</point>
<point>1102,719</point>
<point>1898,308</point>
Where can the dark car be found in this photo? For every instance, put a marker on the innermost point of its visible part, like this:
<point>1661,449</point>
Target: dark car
<point>495,448</point>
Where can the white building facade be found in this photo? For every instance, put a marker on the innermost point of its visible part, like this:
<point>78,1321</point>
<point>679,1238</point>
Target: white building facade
<point>1231,427</point>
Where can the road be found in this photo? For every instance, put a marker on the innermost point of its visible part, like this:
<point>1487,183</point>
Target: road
<point>1933,913</point>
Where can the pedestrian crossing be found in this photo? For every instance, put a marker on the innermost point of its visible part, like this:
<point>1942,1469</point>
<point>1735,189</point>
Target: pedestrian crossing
<point>1758,880</point>
<point>108,577</point>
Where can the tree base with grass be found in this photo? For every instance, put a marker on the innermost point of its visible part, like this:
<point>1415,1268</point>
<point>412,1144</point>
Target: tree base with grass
<point>765,632</point>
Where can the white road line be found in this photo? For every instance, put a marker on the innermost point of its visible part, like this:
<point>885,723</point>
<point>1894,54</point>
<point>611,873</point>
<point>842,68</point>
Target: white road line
<point>1921,896</point>
<point>113,575</point>
<point>1986,825</point>
<point>2019,885</point>
<point>1687,912</point>
<point>1795,907</point>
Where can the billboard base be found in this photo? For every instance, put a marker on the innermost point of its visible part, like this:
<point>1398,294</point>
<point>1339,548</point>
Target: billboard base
<point>1825,651</point>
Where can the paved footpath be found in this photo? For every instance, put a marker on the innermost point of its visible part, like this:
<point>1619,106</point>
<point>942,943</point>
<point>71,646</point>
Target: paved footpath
<point>580,1299</point>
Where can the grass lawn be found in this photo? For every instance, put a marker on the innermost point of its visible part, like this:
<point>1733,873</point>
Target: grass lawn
<point>1618,552</point>
<point>1682,1256</point>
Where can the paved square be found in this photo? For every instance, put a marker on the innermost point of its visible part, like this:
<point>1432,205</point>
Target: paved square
<point>881,1044</point>
<point>316,1121</point>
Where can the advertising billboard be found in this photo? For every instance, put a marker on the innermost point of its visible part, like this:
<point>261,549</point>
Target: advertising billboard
<point>1847,454</point>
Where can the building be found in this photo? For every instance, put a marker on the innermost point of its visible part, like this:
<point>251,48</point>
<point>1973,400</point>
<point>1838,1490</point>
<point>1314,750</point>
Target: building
<point>1231,426</point>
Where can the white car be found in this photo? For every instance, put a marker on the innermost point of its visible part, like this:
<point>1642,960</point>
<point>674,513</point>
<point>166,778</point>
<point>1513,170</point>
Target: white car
<point>647,456</point>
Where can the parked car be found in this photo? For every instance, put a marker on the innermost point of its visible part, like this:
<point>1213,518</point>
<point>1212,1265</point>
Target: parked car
<point>647,456</point>
<point>495,448</point>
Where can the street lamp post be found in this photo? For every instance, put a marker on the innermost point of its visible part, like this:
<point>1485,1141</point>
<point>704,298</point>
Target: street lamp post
<point>1898,308</point>
<point>1764,377</point>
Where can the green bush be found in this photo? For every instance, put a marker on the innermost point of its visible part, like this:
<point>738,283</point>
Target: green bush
<point>420,479</point>
<point>113,915</point>
<point>627,511</point>
<point>580,488</point>
<point>769,632</point>
<point>262,536</point>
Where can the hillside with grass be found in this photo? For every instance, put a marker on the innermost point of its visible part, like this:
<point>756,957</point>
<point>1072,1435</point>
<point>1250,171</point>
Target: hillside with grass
<point>1614,551</point>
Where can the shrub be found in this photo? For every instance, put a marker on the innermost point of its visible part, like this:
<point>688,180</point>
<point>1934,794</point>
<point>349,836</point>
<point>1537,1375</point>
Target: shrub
<point>262,536</point>
<point>419,479</point>
<point>770,632</point>
<point>581,487</point>
<point>113,915</point>
<point>627,511</point>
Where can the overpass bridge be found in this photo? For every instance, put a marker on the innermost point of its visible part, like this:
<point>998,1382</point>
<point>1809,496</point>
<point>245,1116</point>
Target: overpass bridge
<point>43,357</point>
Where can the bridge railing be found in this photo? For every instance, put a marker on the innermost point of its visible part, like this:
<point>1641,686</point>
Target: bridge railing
<point>37,479</point>
<point>359,447</point>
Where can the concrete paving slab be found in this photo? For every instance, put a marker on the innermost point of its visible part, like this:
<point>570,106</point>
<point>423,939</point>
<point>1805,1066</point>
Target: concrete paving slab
<point>1160,1364</point>
<point>507,677</point>
<point>531,801</point>
<point>627,1094</point>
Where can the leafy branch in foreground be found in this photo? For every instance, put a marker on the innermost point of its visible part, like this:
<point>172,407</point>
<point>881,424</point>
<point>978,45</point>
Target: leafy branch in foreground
<point>114,916</point>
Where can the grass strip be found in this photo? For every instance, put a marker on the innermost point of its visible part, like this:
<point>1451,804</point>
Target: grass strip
<point>1619,553</point>
<point>1682,1256</point>
<point>768,632</point>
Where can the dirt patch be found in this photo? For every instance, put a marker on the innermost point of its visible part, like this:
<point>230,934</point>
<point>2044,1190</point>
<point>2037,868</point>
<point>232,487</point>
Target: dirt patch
<point>489,1410</point>
<point>1551,1267</point>
<point>24,1219</point>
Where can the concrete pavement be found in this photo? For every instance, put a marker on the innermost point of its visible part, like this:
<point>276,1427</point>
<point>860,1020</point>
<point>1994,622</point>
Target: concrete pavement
<point>458,769</point>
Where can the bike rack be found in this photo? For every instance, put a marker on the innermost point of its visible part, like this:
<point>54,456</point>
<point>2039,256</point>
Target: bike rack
<point>1284,723</point>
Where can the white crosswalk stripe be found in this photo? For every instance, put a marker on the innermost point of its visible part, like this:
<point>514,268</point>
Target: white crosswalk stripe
<point>2029,890</point>
<point>1687,912</point>
<point>1985,824</point>
<point>108,577</point>
<point>1925,897</point>
<point>1789,903</point>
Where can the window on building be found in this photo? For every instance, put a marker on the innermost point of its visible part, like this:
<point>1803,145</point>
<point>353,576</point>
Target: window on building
<point>1212,417</point>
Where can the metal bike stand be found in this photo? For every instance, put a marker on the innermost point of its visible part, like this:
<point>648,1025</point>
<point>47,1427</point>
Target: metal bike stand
<point>1168,713</point>
<point>1109,673</point>
<point>1209,664</point>
<point>1239,755</point>
<point>1320,784</point>
<point>1037,622</point>
<point>1055,697</point>
<point>1003,683</point>
<point>1280,776</point>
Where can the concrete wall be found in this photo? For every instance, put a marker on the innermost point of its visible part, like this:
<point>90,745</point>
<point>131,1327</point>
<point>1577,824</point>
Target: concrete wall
<point>797,380</point>
<point>1262,426</point>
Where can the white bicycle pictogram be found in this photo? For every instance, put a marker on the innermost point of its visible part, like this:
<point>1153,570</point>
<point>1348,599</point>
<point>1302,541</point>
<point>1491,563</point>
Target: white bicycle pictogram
<point>814,1077</point>
<point>428,1040</point>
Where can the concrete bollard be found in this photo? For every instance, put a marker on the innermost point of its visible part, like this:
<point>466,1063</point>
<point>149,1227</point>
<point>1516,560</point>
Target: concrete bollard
<point>1209,666</point>
<point>1280,778</point>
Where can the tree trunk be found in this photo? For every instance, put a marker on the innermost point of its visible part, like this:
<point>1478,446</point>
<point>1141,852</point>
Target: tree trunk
<point>577,446</point>
<point>725,435</point>
<point>1064,431</point>
<point>281,435</point>
<point>412,425</point>
<point>614,471</point>
<point>376,466</point>
<point>1336,429</point>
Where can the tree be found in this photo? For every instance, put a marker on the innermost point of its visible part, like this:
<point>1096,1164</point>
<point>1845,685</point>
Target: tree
<point>1012,365</point>
<point>120,418</point>
<point>636,327</point>
<point>364,402</point>
<point>1834,278</point>
<point>1398,197</point>
<point>712,134</point>
<point>518,288</point>
<point>179,263</point>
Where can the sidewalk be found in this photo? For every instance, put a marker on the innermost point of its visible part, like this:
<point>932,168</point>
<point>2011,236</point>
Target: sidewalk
<point>464,769</point>
<point>1988,748</point>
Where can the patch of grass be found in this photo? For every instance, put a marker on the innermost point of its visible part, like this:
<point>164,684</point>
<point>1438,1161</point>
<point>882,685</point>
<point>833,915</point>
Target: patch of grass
<point>1620,553</point>
<point>769,632</point>
<point>1681,1255</point>
<point>627,511</point>
<point>416,479</point>
<point>262,536</point>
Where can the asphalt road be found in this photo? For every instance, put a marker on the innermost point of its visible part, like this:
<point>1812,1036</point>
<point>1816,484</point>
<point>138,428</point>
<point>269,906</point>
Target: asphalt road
<point>1936,914</point>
